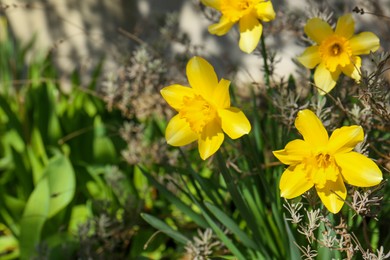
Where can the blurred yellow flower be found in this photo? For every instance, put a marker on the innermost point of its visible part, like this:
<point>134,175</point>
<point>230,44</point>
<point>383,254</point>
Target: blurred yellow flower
<point>247,14</point>
<point>324,162</point>
<point>335,51</point>
<point>204,111</point>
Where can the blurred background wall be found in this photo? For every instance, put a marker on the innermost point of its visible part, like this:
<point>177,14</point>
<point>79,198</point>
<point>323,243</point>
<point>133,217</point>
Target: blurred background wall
<point>79,32</point>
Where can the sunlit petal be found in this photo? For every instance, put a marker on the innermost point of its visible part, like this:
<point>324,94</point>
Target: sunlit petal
<point>294,152</point>
<point>358,170</point>
<point>201,76</point>
<point>210,140</point>
<point>250,33</point>
<point>311,128</point>
<point>221,95</point>
<point>345,26</point>
<point>265,11</point>
<point>234,122</point>
<point>318,30</point>
<point>353,69</point>
<point>344,139</point>
<point>310,57</point>
<point>324,79</point>
<point>294,182</point>
<point>333,195</point>
<point>222,27</point>
<point>363,43</point>
<point>179,133</point>
<point>320,176</point>
<point>174,95</point>
<point>212,3</point>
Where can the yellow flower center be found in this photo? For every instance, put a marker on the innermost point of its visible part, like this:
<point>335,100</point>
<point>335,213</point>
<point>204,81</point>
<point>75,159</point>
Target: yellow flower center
<point>235,9</point>
<point>335,51</point>
<point>322,168</point>
<point>197,112</point>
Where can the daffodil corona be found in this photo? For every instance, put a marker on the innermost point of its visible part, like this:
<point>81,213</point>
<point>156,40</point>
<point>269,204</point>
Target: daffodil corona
<point>335,52</point>
<point>247,14</point>
<point>204,111</point>
<point>325,162</point>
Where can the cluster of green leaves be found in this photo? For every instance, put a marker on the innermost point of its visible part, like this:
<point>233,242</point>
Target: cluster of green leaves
<point>57,152</point>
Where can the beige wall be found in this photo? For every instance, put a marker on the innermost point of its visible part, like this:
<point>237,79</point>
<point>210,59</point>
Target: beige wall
<point>81,31</point>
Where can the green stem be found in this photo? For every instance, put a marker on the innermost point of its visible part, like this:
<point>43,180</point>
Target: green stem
<point>265,58</point>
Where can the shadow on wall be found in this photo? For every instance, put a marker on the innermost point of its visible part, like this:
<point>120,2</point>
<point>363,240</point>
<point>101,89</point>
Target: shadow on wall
<point>78,33</point>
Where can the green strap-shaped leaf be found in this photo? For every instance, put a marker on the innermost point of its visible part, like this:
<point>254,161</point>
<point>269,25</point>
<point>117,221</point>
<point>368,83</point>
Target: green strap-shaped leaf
<point>231,225</point>
<point>294,252</point>
<point>34,216</point>
<point>52,193</point>
<point>165,228</point>
<point>62,183</point>
<point>187,210</point>
<point>224,238</point>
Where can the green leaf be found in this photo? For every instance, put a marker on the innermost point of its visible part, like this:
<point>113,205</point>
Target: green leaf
<point>62,183</point>
<point>231,225</point>
<point>228,243</point>
<point>198,219</point>
<point>163,227</point>
<point>9,247</point>
<point>79,215</point>
<point>52,193</point>
<point>294,251</point>
<point>104,150</point>
<point>34,216</point>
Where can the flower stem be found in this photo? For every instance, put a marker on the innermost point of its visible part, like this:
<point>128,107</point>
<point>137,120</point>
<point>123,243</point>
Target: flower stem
<point>265,58</point>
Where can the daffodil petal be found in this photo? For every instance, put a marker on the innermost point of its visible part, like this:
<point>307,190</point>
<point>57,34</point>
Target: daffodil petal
<point>333,195</point>
<point>174,95</point>
<point>345,26</point>
<point>221,95</point>
<point>250,33</point>
<point>201,76</point>
<point>363,43</point>
<point>179,133</point>
<point>222,27</point>
<point>344,139</point>
<point>210,140</point>
<point>358,170</point>
<point>324,79</point>
<point>294,152</point>
<point>317,29</point>
<point>310,57</point>
<point>234,122</point>
<point>265,11</point>
<point>353,69</point>
<point>216,4</point>
<point>294,182</point>
<point>311,128</point>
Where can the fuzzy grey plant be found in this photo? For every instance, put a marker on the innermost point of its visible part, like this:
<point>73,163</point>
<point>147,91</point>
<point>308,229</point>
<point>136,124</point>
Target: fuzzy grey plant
<point>203,246</point>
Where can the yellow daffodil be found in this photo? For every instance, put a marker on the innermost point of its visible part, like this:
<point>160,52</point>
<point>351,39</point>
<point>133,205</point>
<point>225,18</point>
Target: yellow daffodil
<point>335,52</point>
<point>247,14</point>
<point>204,111</point>
<point>325,162</point>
